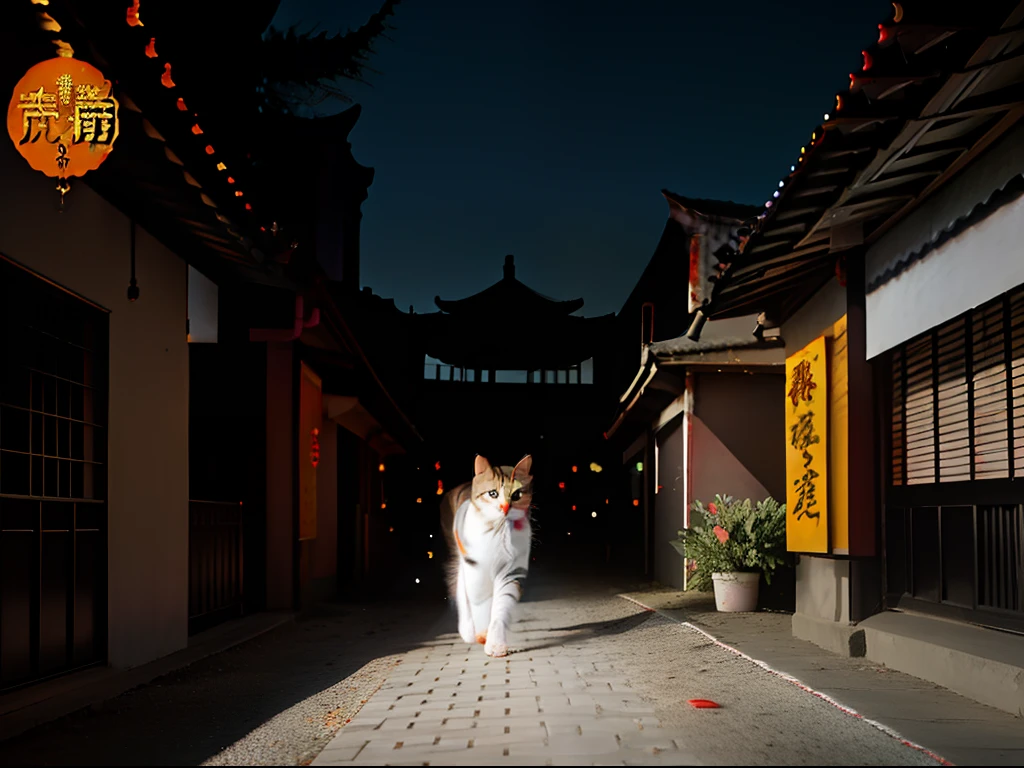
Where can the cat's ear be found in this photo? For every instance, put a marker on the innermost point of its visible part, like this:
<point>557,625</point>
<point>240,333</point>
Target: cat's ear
<point>523,467</point>
<point>481,465</point>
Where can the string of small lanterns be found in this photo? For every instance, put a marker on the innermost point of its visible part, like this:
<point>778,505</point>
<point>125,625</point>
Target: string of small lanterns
<point>884,34</point>
<point>133,19</point>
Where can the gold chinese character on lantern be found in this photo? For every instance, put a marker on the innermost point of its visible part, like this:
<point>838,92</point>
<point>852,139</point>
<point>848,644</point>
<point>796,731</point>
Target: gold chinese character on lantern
<point>63,118</point>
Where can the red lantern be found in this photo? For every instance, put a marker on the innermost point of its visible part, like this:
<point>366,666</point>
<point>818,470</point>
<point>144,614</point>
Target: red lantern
<point>62,118</point>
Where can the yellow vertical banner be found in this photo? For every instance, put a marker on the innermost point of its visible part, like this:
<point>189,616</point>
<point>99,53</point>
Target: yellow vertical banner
<point>310,423</point>
<point>839,440</point>
<point>807,449</point>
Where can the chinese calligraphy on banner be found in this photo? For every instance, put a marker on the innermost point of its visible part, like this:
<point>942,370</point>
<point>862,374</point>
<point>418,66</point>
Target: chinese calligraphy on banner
<point>807,449</point>
<point>62,118</point>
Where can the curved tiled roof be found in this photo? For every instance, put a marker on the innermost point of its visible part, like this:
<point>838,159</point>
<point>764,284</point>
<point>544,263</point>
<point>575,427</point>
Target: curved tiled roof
<point>509,292</point>
<point>720,209</point>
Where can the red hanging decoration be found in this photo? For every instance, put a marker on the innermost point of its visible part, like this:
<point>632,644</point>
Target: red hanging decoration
<point>314,447</point>
<point>132,16</point>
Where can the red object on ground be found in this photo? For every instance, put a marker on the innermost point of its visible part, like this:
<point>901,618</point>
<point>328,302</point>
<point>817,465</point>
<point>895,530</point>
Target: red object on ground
<point>702,703</point>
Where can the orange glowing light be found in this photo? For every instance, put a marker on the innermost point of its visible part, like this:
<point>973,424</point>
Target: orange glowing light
<point>314,447</point>
<point>231,179</point>
<point>574,468</point>
<point>239,193</point>
<point>419,500</point>
<point>636,502</point>
<point>151,48</point>
<point>573,507</point>
<point>248,206</point>
<point>133,15</point>
<point>209,149</point>
<point>430,555</point>
<point>383,505</point>
<point>63,117</point>
<point>196,129</point>
<point>437,465</point>
<point>440,491</point>
<point>606,501</point>
<point>867,61</point>
<point>181,105</point>
<point>380,468</point>
<point>165,78</point>
<point>897,9</point>
<point>883,33</point>
<point>561,486</point>
<point>221,167</point>
<point>391,530</point>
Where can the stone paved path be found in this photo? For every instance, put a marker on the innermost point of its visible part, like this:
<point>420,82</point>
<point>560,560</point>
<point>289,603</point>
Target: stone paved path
<point>450,704</point>
<point>596,680</point>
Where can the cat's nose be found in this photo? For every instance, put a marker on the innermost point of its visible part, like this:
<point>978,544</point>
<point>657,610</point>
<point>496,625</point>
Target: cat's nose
<point>504,507</point>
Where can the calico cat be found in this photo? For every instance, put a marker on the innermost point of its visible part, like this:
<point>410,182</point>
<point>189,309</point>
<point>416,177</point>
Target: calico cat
<point>487,526</point>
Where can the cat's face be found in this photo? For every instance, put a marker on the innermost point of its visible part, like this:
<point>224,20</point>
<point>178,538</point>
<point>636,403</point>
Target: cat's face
<point>503,493</point>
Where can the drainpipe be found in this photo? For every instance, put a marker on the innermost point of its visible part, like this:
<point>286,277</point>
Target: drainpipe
<point>284,334</point>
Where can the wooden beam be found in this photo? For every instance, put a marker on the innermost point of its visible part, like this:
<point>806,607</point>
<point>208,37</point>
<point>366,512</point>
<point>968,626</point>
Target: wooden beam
<point>958,165</point>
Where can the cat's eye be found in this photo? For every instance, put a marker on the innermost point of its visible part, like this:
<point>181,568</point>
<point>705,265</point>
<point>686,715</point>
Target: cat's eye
<point>493,494</point>
<point>517,495</point>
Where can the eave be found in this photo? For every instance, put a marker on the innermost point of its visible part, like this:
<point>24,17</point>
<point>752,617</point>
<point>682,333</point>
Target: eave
<point>871,163</point>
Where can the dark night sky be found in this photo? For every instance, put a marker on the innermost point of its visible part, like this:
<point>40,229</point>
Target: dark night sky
<point>547,128</point>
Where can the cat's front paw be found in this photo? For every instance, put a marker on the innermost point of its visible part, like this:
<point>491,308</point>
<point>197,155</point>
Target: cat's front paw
<point>496,644</point>
<point>466,631</point>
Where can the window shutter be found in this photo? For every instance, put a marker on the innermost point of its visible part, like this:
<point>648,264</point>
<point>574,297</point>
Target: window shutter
<point>920,410</point>
<point>896,442</point>
<point>991,440</point>
<point>958,399</point>
<point>1017,381</point>
<point>951,391</point>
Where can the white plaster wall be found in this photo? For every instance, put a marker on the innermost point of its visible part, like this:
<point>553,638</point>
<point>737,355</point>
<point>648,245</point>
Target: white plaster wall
<point>86,249</point>
<point>980,264</point>
<point>202,308</point>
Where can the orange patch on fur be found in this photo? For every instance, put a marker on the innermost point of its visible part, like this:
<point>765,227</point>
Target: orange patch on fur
<point>458,542</point>
<point>482,638</point>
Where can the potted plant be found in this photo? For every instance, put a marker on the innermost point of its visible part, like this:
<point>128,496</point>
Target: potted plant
<point>729,544</point>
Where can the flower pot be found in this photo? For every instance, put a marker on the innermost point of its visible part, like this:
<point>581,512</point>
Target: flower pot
<point>735,592</point>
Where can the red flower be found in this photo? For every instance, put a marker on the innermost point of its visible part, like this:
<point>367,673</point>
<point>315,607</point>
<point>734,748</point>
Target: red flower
<point>712,508</point>
<point>721,533</point>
